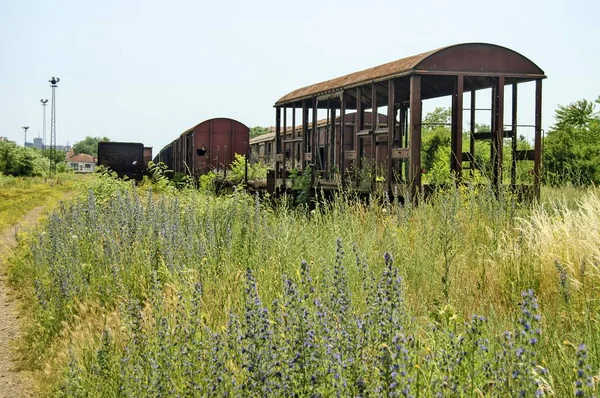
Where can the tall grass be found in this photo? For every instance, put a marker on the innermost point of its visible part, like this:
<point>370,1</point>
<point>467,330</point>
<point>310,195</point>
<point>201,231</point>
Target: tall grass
<point>19,195</point>
<point>138,294</point>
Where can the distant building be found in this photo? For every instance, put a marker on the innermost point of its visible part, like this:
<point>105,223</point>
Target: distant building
<point>3,139</point>
<point>81,163</point>
<point>29,145</point>
<point>38,143</point>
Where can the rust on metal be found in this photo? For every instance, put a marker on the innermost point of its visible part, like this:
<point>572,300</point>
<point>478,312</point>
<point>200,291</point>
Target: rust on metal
<point>460,57</point>
<point>394,145</point>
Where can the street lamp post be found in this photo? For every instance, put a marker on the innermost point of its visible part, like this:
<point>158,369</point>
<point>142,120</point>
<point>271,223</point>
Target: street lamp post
<point>44,103</point>
<point>53,82</point>
<point>25,128</point>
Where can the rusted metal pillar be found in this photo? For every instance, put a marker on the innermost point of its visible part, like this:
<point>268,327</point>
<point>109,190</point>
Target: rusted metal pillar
<point>391,119</point>
<point>537,144</point>
<point>403,137</point>
<point>314,141</point>
<point>304,135</point>
<point>360,124</point>
<point>493,120</point>
<point>342,151</point>
<point>293,150</point>
<point>498,132</point>
<point>472,138</point>
<point>374,123</point>
<point>457,128</point>
<point>332,143</point>
<point>277,138</point>
<point>283,144</point>
<point>513,168</point>
<point>414,174</point>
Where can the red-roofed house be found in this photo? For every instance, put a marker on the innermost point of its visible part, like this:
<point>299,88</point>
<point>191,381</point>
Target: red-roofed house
<point>81,163</point>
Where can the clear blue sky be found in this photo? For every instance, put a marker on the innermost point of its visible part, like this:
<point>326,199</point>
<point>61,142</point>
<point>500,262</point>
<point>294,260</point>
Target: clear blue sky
<point>145,71</point>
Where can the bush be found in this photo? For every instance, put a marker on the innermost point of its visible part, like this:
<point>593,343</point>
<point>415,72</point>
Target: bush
<point>27,162</point>
<point>256,171</point>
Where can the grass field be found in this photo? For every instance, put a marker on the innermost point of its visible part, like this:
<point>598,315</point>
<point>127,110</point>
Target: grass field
<point>19,195</point>
<point>134,293</point>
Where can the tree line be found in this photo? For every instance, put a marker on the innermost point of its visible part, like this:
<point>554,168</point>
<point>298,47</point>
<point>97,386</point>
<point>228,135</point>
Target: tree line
<point>20,161</point>
<point>571,147</point>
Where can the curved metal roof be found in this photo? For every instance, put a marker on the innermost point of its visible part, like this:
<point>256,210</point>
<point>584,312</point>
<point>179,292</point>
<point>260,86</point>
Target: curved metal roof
<point>469,58</point>
<point>208,120</point>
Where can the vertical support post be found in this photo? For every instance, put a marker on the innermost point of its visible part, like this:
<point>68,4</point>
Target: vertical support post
<point>325,140</point>
<point>293,151</point>
<point>537,145</point>
<point>457,128</point>
<point>315,146</point>
<point>332,141</point>
<point>283,144</point>
<point>342,151</point>
<point>498,132</point>
<point>402,138</point>
<point>277,138</point>
<point>314,135</point>
<point>472,138</point>
<point>304,134</point>
<point>374,123</point>
<point>414,173</point>
<point>360,124</point>
<point>391,123</point>
<point>513,169</point>
<point>493,129</point>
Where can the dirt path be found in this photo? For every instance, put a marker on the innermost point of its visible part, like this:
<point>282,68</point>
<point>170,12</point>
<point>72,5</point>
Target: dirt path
<point>14,382</point>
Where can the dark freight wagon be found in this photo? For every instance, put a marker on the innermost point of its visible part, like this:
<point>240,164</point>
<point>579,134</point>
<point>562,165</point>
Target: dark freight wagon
<point>124,158</point>
<point>210,145</point>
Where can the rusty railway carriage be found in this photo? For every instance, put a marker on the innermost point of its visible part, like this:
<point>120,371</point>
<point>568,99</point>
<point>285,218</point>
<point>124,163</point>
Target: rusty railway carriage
<point>263,146</point>
<point>401,86</point>
<point>210,145</point>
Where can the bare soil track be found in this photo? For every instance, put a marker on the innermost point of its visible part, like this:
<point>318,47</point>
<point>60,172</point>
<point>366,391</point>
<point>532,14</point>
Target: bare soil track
<point>14,381</point>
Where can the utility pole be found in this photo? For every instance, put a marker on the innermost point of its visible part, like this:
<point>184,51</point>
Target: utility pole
<point>44,103</point>
<point>25,128</point>
<point>53,82</point>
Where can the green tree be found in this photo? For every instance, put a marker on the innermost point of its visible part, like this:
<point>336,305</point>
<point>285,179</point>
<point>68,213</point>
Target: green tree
<point>19,161</point>
<point>439,117</point>
<point>89,145</point>
<point>256,131</point>
<point>572,146</point>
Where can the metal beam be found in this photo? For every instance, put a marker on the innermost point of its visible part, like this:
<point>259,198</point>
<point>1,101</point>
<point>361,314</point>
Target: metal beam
<point>342,150</point>
<point>313,138</point>
<point>499,131</point>
<point>414,174</point>
<point>513,168</point>
<point>472,138</point>
<point>277,138</point>
<point>537,145</point>
<point>457,128</point>
<point>360,114</point>
<point>304,134</point>
<point>334,140</point>
<point>374,123</point>
<point>391,119</point>
<point>293,151</point>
